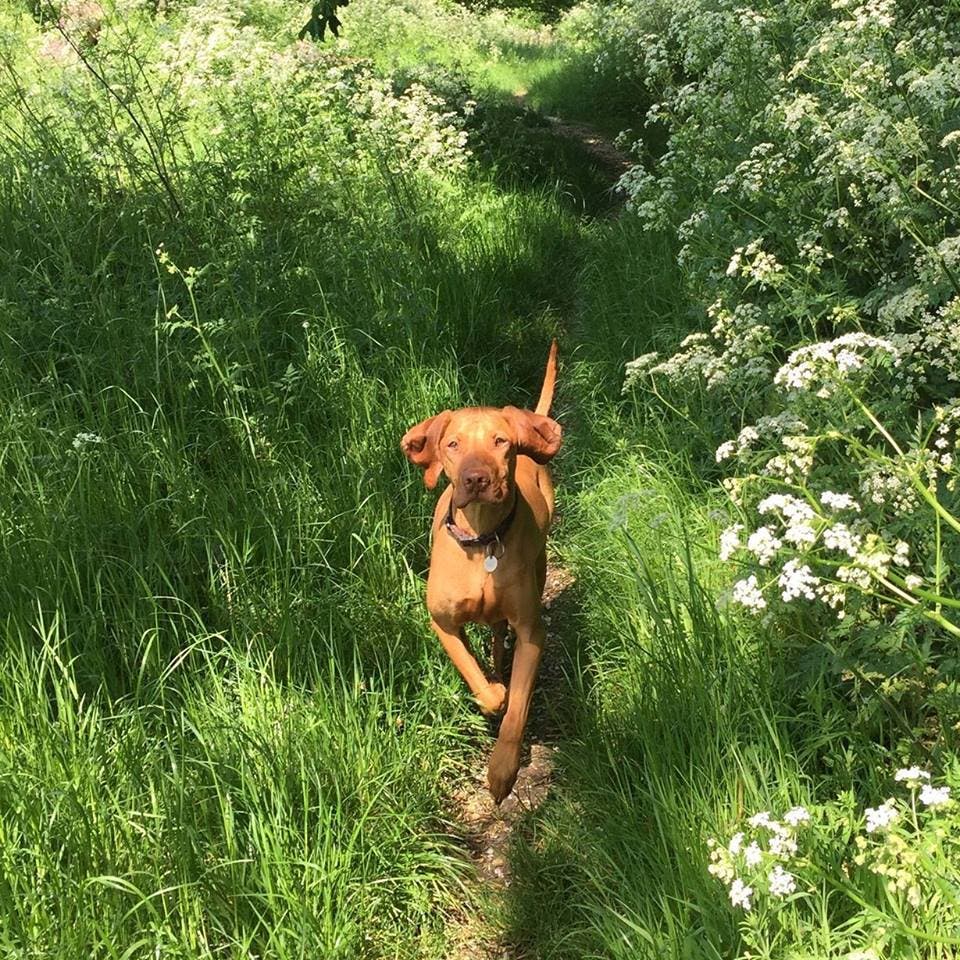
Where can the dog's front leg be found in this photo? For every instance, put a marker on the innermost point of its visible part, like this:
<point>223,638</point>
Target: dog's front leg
<point>489,695</point>
<point>505,759</point>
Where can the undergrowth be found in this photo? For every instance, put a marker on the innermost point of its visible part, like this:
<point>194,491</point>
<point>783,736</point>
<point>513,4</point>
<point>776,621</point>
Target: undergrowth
<point>234,269</point>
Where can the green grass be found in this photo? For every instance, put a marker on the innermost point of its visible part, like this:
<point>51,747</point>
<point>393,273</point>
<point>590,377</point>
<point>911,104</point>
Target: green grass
<point>225,728</point>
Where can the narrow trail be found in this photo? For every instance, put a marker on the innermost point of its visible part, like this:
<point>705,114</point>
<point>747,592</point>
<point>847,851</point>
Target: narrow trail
<point>488,830</point>
<point>607,156</point>
<point>476,931</point>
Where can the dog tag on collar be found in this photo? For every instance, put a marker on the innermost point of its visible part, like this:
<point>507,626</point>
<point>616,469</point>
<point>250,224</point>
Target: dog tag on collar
<point>490,563</point>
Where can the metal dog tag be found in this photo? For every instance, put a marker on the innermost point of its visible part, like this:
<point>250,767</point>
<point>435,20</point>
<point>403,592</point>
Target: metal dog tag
<point>490,563</point>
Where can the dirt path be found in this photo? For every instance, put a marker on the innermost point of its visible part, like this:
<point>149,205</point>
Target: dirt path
<point>476,932</point>
<point>607,156</point>
<point>488,830</point>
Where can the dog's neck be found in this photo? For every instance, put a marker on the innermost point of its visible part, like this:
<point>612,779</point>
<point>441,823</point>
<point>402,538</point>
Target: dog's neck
<point>478,518</point>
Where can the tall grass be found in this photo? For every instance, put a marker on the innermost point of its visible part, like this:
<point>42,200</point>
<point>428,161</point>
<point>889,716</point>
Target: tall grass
<point>224,728</point>
<point>225,731</point>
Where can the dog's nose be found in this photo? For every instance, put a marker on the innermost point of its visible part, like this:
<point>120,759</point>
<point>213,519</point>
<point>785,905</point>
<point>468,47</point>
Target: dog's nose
<point>476,480</point>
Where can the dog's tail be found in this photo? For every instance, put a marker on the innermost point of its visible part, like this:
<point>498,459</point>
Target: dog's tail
<point>549,379</point>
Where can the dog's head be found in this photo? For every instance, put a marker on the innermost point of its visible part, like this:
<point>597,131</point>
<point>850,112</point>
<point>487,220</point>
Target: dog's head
<point>477,448</point>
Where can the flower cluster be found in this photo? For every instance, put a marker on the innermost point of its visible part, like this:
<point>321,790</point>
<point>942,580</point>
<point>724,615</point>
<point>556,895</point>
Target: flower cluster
<point>811,188</point>
<point>759,863</point>
<point>825,365</point>
<point>894,855</point>
<point>774,865</point>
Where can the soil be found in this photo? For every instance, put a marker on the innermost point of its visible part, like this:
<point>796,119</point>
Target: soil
<point>488,830</point>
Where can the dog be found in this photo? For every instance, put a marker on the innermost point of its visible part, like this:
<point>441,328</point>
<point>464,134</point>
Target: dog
<point>488,561</point>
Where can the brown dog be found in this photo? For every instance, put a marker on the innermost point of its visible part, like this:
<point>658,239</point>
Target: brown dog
<point>489,561</point>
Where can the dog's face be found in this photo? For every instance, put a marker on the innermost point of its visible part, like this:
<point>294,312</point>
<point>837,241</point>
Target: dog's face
<point>477,449</point>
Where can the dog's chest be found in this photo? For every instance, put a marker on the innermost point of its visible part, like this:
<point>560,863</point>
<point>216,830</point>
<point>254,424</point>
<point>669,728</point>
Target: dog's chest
<point>474,595</point>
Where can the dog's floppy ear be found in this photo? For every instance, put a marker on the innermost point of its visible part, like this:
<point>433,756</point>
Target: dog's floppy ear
<point>538,437</point>
<point>420,445</point>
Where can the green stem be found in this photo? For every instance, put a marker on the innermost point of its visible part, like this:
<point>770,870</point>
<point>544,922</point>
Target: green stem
<point>942,621</point>
<point>881,429</point>
<point>938,507</point>
<point>928,595</point>
<point>870,908</point>
<point>917,483</point>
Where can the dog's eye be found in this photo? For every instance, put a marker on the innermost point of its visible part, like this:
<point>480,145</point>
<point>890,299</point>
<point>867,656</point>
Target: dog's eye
<point>452,445</point>
<point>500,441</point>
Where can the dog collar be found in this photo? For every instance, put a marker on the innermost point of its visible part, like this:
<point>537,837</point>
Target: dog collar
<point>485,539</point>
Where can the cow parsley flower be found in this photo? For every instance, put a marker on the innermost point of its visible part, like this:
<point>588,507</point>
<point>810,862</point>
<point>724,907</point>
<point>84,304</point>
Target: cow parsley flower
<point>839,501</point>
<point>879,818</point>
<point>800,534</point>
<point>730,541</point>
<point>747,592</point>
<point>782,844</point>
<point>829,361</point>
<point>934,796</point>
<point>792,508</point>
<point>841,537</point>
<point>912,776</point>
<point>764,545</point>
<point>781,883</point>
<point>796,815</point>
<point>740,894</point>
<point>753,854</point>
<point>85,439</point>
<point>797,580</point>
<point>726,450</point>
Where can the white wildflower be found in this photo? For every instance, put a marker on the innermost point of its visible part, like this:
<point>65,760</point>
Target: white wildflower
<point>747,592</point>
<point>781,883</point>
<point>782,844</point>
<point>797,815</point>
<point>740,894</point>
<point>753,854</point>
<point>730,541</point>
<point>829,361</point>
<point>797,580</point>
<point>635,369</point>
<point>834,596</point>
<point>934,796</point>
<point>911,776</point>
<point>790,507</point>
<point>841,537</point>
<point>856,576</point>
<point>800,534</point>
<point>764,545</point>
<point>736,843</point>
<point>726,450</point>
<point>85,439</point>
<point>839,501</point>
<point>879,818</point>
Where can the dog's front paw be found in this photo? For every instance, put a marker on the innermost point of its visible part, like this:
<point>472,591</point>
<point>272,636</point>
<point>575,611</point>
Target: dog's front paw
<point>493,698</point>
<point>502,769</point>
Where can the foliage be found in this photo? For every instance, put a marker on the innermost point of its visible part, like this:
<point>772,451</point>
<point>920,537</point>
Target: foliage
<point>893,865</point>
<point>808,190</point>
<point>810,178</point>
<point>234,268</point>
